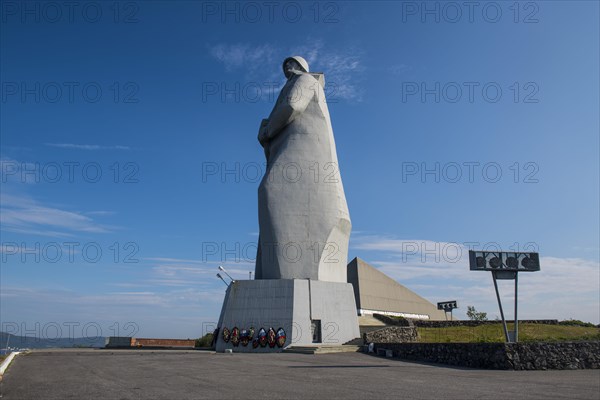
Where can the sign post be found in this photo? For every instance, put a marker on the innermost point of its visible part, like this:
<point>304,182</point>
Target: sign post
<point>505,265</point>
<point>447,306</point>
<point>500,306</point>
<point>516,302</point>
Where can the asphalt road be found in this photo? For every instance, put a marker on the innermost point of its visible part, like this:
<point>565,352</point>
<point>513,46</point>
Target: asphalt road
<point>145,374</point>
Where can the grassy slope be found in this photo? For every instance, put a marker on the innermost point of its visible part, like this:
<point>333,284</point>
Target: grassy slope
<point>495,333</point>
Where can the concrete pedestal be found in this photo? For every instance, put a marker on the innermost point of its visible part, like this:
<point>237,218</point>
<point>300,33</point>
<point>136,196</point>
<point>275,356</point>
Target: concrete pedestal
<point>294,305</point>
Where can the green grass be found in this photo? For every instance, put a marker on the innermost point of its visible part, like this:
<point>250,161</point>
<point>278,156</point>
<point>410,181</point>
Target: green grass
<point>495,333</point>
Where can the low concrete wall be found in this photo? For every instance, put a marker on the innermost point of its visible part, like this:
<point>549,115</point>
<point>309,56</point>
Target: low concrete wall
<point>392,334</point>
<point>452,323</point>
<point>394,321</point>
<point>4,365</point>
<point>515,356</point>
<point>559,355</point>
<point>474,355</point>
<point>117,341</point>
<point>144,342</point>
<point>447,324</point>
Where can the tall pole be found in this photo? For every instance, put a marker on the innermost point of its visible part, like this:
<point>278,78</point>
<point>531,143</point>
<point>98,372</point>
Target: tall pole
<point>516,317</point>
<point>225,272</point>
<point>221,278</point>
<point>500,305</point>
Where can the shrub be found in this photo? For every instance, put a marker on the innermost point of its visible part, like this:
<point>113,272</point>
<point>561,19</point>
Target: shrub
<point>576,322</point>
<point>475,315</point>
<point>204,341</point>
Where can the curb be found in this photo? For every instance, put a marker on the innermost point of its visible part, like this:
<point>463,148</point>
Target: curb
<point>7,361</point>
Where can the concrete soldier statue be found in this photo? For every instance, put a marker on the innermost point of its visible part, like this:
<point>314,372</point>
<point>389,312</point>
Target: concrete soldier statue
<point>303,216</point>
<point>300,289</point>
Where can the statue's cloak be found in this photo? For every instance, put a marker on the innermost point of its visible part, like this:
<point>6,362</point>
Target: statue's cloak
<point>302,211</point>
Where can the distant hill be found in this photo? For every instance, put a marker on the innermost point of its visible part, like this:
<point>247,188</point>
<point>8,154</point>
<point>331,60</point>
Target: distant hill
<point>39,343</point>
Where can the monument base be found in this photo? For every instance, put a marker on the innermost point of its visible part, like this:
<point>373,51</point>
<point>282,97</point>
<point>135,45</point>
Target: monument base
<point>310,312</point>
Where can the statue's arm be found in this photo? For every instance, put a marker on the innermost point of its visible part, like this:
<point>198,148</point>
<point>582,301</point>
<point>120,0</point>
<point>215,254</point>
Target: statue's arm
<point>293,105</point>
<point>262,132</point>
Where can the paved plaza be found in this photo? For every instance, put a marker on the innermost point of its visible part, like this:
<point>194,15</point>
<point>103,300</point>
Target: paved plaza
<point>147,374</point>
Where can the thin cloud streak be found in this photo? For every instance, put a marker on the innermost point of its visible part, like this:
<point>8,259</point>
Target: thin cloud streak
<point>343,68</point>
<point>23,214</point>
<point>87,146</point>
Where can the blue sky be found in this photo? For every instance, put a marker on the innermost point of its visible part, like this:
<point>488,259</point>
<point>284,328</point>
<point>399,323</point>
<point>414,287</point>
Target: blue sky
<point>130,159</point>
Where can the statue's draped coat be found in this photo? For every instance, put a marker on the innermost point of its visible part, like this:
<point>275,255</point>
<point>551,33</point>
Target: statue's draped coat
<point>303,215</point>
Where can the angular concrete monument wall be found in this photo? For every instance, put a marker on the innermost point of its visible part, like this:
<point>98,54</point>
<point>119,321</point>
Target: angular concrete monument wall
<point>375,292</point>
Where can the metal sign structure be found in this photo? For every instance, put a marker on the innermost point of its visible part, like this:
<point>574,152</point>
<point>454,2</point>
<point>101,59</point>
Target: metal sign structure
<point>505,265</point>
<point>447,306</point>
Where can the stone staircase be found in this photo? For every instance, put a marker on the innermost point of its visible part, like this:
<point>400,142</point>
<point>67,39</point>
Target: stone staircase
<point>367,324</point>
<point>323,349</point>
<point>355,342</point>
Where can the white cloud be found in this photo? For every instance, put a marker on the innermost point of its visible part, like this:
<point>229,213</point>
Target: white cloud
<point>25,215</point>
<point>243,55</point>
<point>343,68</point>
<point>564,288</point>
<point>100,213</point>
<point>20,172</point>
<point>399,69</point>
<point>170,259</point>
<point>179,312</point>
<point>192,272</point>
<point>87,146</point>
<point>152,312</point>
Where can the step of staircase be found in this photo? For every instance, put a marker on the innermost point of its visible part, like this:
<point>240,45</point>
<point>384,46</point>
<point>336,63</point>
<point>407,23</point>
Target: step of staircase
<point>355,342</point>
<point>323,349</point>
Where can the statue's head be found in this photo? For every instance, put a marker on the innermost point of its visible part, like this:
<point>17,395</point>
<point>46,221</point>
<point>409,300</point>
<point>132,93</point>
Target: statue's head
<point>295,63</point>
